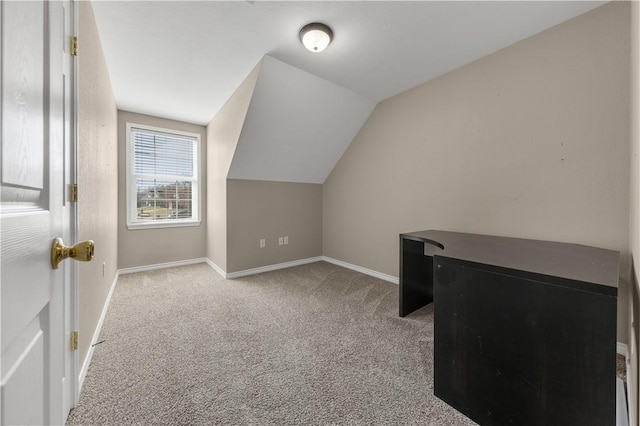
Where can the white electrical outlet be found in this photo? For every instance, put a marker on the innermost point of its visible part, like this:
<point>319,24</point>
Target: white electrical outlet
<point>263,243</point>
<point>280,241</point>
<point>286,240</point>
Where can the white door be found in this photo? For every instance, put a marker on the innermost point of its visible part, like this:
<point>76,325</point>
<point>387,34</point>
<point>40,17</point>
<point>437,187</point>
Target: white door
<point>34,210</point>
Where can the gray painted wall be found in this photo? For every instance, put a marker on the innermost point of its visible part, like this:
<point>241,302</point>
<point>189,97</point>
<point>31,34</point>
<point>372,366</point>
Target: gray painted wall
<point>260,209</point>
<point>97,178</point>
<point>142,247</point>
<point>531,141</point>
<point>223,133</point>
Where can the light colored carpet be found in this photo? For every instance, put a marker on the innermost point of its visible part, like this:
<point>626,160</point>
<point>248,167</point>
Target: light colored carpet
<point>314,344</point>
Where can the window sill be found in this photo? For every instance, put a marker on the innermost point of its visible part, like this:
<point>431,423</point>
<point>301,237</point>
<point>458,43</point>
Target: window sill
<point>163,224</point>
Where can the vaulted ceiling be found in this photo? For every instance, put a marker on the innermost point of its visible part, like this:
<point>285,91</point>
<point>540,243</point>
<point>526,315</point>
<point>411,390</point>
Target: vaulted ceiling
<point>182,60</point>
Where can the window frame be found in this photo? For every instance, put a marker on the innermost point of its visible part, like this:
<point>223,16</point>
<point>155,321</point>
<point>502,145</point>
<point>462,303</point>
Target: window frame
<point>131,184</point>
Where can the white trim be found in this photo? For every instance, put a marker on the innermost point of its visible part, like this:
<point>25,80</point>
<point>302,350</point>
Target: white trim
<point>275,267</point>
<point>74,129</point>
<point>169,223</point>
<point>261,269</point>
<point>622,349</point>
<point>622,413</point>
<point>269,268</point>
<point>216,268</point>
<point>360,269</point>
<point>135,269</point>
<point>96,333</point>
<point>632,397</point>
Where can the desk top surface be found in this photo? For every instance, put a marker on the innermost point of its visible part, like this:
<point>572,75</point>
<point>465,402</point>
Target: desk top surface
<point>571,261</point>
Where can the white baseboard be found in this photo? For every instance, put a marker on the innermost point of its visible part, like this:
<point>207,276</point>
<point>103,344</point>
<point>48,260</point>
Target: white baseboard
<point>365,271</point>
<point>96,334</point>
<point>622,397</point>
<point>269,268</point>
<point>135,269</point>
<point>216,268</point>
<point>622,413</point>
<point>621,348</point>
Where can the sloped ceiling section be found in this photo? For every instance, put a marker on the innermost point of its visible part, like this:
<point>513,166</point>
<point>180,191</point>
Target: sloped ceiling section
<point>297,126</point>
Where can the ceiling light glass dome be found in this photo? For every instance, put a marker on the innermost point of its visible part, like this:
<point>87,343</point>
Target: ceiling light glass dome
<point>316,36</point>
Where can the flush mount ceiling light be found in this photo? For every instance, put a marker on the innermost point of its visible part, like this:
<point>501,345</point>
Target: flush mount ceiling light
<point>316,36</point>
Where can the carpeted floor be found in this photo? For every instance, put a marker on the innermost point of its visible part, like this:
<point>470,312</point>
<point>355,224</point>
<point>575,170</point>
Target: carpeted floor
<point>314,344</point>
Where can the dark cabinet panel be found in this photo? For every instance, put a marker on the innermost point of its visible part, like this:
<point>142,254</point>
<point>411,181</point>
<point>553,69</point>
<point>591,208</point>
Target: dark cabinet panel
<point>513,350</point>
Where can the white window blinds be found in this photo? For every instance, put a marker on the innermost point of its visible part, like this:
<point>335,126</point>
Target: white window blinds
<point>163,178</point>
<point>163,155</point>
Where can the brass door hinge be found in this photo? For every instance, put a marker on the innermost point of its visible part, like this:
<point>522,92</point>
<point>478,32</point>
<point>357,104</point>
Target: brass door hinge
<point>74,192</point>
<point>74,46</point>
<point>74,341</point>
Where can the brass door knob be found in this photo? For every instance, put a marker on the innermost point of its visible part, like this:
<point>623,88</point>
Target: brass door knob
<point>82,251</point>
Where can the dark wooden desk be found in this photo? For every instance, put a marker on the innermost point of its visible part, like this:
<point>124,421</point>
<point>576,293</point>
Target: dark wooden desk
<point>525,330</point>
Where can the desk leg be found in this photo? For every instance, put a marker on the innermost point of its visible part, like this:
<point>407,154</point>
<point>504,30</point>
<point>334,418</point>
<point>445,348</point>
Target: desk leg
<point>416,276</point>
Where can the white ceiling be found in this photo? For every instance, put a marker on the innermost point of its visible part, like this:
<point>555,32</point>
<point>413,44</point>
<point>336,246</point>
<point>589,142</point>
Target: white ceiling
<point>183,60</point>
<point>297,126</point>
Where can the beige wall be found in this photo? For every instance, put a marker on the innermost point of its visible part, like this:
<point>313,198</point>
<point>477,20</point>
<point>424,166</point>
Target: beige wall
<point>259,209</point>
<point>97,177</point>
<point>634,216</point>
<point>223,133</point>
<point>142,247</point>
<point>531,141</point>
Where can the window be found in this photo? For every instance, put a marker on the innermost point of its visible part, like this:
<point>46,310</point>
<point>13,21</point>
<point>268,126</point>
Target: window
<point>162,177</point>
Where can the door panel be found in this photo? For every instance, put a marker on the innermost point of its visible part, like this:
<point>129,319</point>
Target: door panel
<point>23,377</point>
<point>25,253</point>
<point>23,79</point>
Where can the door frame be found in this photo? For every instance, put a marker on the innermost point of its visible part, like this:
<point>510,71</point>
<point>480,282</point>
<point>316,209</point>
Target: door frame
<point>71,278</point>
<point>74,215</point>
